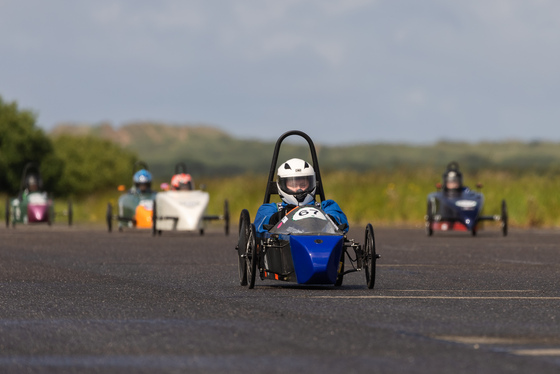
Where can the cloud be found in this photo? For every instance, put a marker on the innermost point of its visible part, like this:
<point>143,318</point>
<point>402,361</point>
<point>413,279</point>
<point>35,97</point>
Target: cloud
<point>244,64</point>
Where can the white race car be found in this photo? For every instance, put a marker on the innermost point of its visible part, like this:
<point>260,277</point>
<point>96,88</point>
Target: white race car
<point>184,210</point>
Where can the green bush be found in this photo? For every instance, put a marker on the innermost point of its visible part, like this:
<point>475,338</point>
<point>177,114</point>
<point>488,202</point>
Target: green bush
<point>91,164</point>
<point>20,143</point>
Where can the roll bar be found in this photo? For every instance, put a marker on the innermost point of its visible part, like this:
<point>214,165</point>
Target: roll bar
<point>271,187</point>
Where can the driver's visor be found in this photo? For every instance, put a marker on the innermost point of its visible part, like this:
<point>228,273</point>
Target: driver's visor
<point>292,185</point>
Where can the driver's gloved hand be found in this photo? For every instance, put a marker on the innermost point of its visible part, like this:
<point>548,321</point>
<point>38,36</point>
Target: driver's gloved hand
<point>273,220</point>
<point>276,217</point>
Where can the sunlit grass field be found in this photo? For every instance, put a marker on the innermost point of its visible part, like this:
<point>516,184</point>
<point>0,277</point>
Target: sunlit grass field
<point>382,198</point>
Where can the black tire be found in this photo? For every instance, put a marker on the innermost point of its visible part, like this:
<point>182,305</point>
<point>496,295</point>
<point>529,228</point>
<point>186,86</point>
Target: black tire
<point>429,219</point>
<point>50,212</point>
<point>70,213</point>
<point>251,257</point>
<point>473,231</point>
<point>340,276</point>
<point>8,213</point>
<point>370,256</point>
<point>504,218</point>
<point>201,232</point>
<point>109,217</point>
<point>154,219</point>
<point>244,228</point>
<point>226,216</point>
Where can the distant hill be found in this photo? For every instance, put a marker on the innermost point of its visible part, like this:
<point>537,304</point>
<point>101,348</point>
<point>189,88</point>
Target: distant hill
<point>210,151</point>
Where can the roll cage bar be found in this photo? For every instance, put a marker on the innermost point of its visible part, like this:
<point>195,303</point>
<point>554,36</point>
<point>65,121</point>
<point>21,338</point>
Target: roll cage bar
<point>180,167</point>
<point>139,165</point>
<point>271,187</point>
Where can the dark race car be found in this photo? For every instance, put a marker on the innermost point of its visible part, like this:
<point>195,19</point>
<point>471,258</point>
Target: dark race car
<point>306,246</point>
<point>456,207</point>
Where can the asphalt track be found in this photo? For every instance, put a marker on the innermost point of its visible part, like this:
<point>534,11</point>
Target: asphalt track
<point>83,300</point>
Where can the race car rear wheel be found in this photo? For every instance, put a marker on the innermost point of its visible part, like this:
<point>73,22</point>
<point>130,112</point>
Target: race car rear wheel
<point>429,219</point>
<point>370,256</point>
<point>340,276</point>
<point>504,218</point>
<point>226,216</point>
<point>109,217</point>
<point>244,228</point>
<point>7,213</point>
<point>154,219</point>
<point>70,213</point>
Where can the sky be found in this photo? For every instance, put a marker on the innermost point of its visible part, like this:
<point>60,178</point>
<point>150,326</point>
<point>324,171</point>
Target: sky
<point>344,71</point>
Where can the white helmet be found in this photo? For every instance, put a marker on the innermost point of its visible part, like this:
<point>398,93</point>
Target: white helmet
<point>296,182</point>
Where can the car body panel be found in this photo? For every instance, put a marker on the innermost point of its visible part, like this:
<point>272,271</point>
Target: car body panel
<point>35,207</point>
<point>456,210</point>
<point>305,247</point>
<point>181,210</point>
<point>135,209</point>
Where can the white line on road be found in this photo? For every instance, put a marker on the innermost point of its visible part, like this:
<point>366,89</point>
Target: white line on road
<point>442,297</point>
<point>537,352</point>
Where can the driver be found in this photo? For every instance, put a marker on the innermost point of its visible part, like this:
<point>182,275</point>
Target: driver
<point>452,180</point>
<point>182,182</point>
<point>32,185</point>
<point>142,181</point>
<point>296,186</point>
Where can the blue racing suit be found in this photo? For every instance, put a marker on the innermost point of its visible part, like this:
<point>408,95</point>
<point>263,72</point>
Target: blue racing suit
<point>330,207</point>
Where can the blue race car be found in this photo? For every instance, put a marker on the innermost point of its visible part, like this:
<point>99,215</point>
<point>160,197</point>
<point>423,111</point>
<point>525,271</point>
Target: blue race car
<point>456,207</point>
<point>306,246</point>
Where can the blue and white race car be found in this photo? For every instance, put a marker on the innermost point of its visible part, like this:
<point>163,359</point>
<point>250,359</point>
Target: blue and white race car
<point>306,245</point>
<point>456,207</point>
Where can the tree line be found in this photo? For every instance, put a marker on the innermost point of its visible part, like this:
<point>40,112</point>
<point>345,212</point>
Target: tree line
<point>69,165</point>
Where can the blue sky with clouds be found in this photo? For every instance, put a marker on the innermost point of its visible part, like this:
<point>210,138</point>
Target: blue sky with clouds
<point>344,71</point>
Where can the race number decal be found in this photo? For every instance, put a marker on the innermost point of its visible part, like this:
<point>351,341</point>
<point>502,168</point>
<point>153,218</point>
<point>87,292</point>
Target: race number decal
<point>310,212</point>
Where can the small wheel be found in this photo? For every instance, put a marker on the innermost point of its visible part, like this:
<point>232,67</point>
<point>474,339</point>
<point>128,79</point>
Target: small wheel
<point>201,232</point>
<point>70,213</point>
<point>251,257</point>
<point>226,216</point>
<point>244,228</point>
<point>7,213</point>
<point>109,217</point>
<point>50,216</point>
<point>504,218</point>
<point>370,256</point>
<point>473,231</point>
<point>154,219</point>
<point>429,219</point>
<point>340,276</point>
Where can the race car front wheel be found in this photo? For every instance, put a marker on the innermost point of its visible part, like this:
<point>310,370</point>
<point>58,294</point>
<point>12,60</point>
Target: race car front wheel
<point>244,227</point>
<point>251,257</point>
<point>8,213</point>
<point>109,217</point>
<point>504,218</point>
<point>370,256</point>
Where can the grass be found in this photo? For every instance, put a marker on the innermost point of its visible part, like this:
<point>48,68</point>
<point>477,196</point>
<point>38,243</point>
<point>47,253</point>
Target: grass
<point>382,198</point>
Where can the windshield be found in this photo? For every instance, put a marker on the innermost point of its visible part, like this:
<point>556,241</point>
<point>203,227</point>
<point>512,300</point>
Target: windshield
<point>306,220</point>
